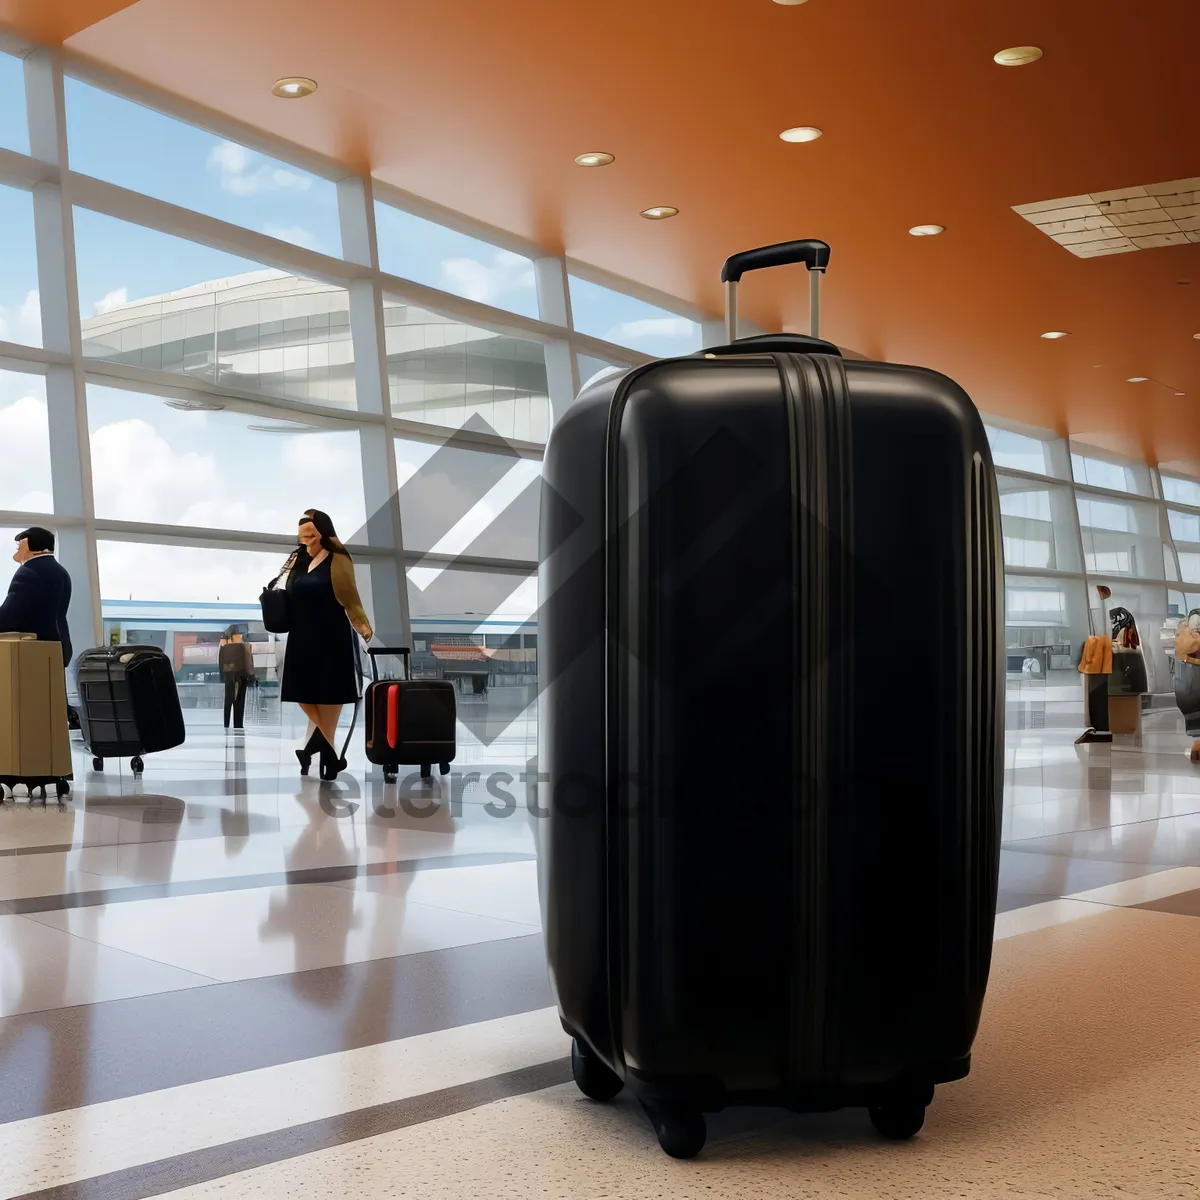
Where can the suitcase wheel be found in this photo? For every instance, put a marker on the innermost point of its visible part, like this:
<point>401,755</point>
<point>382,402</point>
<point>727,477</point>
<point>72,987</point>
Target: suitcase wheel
<point>426,771</point>
<point>98,763</point>
<point>389,777</point>
<point>898,1118</point>
<point>62,788</point>
<point>136,765</point>
<point>681,1131</point>
<point>592,1077</point>
<point>444,768</point>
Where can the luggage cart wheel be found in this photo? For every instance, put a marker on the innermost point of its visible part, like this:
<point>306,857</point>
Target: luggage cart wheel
<point>681,1131</point>
<point>591,1076</point>
<point>389,777</point>
<point>898,1119</point>
<point>98,763</point>
<point>136,765</point>
<point>426,771</point>
<point>444,768</point>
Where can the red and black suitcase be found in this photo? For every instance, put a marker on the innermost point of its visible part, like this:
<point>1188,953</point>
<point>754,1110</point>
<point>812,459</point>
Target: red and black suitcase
<point>409,722</point>
<point>770,727</point>
<point>128,703</point>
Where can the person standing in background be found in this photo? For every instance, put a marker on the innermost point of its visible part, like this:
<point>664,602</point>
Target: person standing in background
<point>236,661</point>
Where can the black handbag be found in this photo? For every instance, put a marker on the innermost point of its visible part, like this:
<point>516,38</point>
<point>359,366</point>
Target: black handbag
<point>274,603</point>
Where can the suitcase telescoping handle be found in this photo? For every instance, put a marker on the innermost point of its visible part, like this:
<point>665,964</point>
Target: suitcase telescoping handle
<point>812,253</point>
<point>402,651</point>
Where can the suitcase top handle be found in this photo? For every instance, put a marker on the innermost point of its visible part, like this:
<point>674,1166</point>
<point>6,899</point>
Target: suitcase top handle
<point>400,651</point>
<point>813,253</point>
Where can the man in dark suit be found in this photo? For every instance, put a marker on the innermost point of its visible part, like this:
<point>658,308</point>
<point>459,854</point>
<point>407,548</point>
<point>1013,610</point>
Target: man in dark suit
<point>40,592</point>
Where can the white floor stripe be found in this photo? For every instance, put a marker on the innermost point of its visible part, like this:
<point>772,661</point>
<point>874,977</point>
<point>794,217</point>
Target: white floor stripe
<point>1043,916</point>
<point>60,1148</point>
<point>1149,887</point>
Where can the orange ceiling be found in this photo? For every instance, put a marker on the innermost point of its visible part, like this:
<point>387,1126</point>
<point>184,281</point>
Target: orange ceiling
<point>482,107</point>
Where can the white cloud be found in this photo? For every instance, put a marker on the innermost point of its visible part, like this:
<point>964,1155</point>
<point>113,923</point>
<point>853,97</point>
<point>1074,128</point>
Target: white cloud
<point>648,327</point>
<point>25,324</point>
<point>117,298</point>
<point>245,173</point>
<point>296,234</point>
<point>25,436</point>
<point>144,572</point>
<point>507,272</point>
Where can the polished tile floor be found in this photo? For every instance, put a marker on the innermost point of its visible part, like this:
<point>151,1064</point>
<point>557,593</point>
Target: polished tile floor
<point>224,980</point>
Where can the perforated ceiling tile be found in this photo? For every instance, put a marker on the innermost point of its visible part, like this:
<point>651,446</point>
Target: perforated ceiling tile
<point>1116,222</point>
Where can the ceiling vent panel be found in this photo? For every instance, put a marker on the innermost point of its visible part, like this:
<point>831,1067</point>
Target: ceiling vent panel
<point>1117,222</point>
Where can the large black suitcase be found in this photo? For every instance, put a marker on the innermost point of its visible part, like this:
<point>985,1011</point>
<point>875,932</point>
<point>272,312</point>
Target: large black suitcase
<point>409,722</point>
<point>128,703</point>
<point>770,728</point>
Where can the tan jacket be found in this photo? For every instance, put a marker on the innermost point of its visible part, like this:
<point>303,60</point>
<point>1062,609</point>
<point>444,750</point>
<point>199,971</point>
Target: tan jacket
<point>1187,645</point>
<point>345,588</point>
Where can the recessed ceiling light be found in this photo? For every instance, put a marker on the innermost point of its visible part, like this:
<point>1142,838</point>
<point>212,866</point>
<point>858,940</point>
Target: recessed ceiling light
<point>801,133</point>
<point>927,230</point>
<point>1017,56</point>
<point>1181,393</point>
<point>791,2</point>
<point>594,158</point>
<point>1196,336</point>
<point>1137,379</point>
<point>660,212</point>
<point>1055,334</point>
<point>294,87</point>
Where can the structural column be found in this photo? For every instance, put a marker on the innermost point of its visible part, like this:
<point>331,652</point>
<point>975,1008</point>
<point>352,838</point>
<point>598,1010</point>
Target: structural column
<point>66,386</point>
<point>554,306</point>
<point>389,589</point>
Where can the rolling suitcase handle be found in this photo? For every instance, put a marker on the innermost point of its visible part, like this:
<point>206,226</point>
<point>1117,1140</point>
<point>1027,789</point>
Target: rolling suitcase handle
<point>812,253</point>
<point>403,651</point>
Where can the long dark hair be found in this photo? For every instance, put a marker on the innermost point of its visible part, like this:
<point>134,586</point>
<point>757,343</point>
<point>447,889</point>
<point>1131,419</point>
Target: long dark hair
<point>324,526</point>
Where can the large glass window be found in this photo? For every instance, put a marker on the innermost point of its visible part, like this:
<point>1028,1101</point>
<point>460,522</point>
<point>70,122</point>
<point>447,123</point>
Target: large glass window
<point>1177,490</point>
<point>20,305</point>
<point>161,461</point>
<point>25,441</point>
<point>625,321</point>
<point>1045,621</point>
<point>1110,473</point>
<point>14,128</point>
<point>1148,604</point>
<point>1019,452</point>
<point>461,498</point>
<point>1037,525</point>
<point>442,372</point>
<point>438,257</point>
<point>151,300</point>
<point>590,368</point>
<point>121,142</point>
<point>1121,538</point>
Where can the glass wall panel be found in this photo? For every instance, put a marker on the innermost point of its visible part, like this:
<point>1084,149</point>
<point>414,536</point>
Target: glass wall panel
<point>590,368</point>
<point>1121,537</point>
<point>1109,472</point>
<point>1045,622</point>
<point>14,128</point>
<point>1019,452</point>
<point>615,317</point>
<point>438,257</point>
<point>20,304</point>
<point>159,461</point>
<point>479,630</point>
<point>25,484</point>
<point>459,498</point>
<point>1178,490</point>
<point>124,143</point>
<point>442,372</point>
<point>151,300</point>
<point>1038,526</point>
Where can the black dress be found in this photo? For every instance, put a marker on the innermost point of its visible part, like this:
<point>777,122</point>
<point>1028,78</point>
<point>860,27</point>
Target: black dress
<point>321,659</point>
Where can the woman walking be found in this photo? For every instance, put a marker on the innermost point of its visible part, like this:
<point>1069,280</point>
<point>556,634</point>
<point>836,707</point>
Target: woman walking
<point>321,660</point>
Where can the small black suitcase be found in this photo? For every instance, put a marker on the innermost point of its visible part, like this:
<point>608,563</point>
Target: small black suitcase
<point>770,727</point>
<point>128,703</point>
<point>409,722</point>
